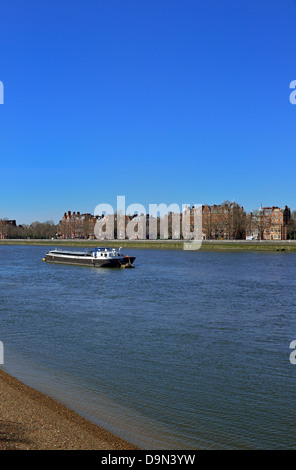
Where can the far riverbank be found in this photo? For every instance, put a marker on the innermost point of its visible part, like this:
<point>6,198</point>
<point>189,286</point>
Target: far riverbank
<point>207,245</point>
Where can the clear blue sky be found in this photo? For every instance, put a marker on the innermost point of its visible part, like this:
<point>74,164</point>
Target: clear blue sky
<point>161,101</point>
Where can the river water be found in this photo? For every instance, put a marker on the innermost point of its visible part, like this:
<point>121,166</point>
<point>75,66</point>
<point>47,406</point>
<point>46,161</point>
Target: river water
<point>189,350</point>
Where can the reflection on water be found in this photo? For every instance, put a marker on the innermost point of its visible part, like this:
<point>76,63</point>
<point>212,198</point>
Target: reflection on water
<point>188,350</point>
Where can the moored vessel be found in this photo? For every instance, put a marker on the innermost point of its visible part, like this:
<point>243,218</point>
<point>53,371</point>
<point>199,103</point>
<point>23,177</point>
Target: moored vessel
<point>101,257</point>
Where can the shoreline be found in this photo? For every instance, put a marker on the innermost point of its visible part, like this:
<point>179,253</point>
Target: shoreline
<point>207,245</point>
<point>30,420</point>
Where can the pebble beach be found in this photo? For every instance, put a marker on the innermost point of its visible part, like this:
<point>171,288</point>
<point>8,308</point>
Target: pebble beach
<point>30,420</point>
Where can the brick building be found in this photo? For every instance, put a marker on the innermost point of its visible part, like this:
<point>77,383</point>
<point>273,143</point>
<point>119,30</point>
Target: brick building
<point>5,226</point>
<point>76,225</point>
<point>223,222</point>
<point>269,223</point>
<point>275,223</point>
<point>81,226</point>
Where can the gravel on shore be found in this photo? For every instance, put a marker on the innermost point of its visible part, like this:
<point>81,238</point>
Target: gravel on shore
<point>29,420</point>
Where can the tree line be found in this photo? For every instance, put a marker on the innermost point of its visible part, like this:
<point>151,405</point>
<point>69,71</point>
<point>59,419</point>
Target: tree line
<point>36,230</point>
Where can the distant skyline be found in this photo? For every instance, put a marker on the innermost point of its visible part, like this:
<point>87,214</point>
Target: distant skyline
<point>161,101</point>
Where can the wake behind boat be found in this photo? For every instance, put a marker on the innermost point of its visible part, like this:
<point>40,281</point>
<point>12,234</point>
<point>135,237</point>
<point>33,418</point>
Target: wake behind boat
<point>99,258</point>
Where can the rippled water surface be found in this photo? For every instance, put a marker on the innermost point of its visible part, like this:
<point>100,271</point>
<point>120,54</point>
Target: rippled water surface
<point>188,350</point>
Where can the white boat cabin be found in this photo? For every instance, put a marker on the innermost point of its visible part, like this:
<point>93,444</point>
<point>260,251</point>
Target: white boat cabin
<point>106,253</point>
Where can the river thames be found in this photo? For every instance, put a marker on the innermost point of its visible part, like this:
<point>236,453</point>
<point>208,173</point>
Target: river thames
<point>189,350</point>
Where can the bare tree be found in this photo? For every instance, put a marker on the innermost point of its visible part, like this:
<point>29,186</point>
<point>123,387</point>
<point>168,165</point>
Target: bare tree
<point>292,226</point>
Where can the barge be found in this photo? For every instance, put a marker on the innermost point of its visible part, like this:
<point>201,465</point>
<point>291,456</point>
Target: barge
<point>99,258</point>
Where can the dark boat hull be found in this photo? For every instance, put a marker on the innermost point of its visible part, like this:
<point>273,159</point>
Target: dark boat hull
<point>92,262</point>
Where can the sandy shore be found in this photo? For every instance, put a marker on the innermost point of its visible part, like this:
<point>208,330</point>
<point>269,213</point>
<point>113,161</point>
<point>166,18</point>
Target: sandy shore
<point>30,420</point>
